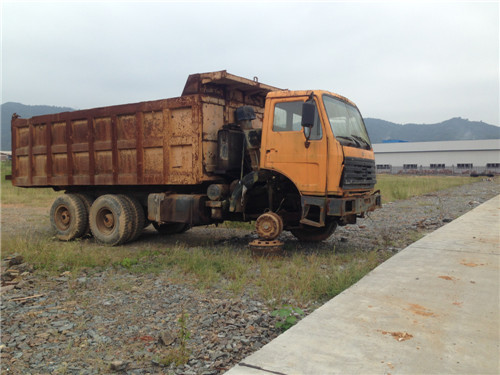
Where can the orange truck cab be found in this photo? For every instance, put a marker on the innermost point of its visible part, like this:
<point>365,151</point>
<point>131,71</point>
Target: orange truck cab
<point>316,154</point>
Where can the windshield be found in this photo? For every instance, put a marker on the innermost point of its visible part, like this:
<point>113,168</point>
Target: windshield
<point>346,123</point>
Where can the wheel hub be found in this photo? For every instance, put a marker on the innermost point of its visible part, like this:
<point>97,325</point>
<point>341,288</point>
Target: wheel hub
<point>105,220</point>
<point>62,217</point>
<point>109,220</point>
<point>269,226</point>
<point>65,218</point>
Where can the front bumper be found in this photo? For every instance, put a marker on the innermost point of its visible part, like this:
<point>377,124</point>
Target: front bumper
<point>346,207</point>
<point>353,205</point>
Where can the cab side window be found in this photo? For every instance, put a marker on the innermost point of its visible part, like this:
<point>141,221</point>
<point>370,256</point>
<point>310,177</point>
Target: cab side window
<point>288,117</point>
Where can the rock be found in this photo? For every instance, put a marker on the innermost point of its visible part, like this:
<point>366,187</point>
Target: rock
<point>22,283</point>
<point>60,323</point>
<point>66,327</point>
<point>14,259</point>
<point>9,275</point>
<point>167,338</point>
<point>81,280</point>
<point>23,267</point>
<point>6,288</point>
<point>447,220</point>
<point>118,365</point>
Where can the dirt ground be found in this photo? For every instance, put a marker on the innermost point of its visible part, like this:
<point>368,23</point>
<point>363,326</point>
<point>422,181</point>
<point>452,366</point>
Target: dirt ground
<point>111,321</point>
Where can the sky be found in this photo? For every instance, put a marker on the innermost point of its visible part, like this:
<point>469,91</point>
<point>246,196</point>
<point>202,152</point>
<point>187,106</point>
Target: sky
<point>404,62</point>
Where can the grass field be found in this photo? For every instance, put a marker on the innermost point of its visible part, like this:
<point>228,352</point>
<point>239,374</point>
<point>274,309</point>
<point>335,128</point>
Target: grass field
<point>395,187</point>
<point>30,197</point>
<point>304,278</point>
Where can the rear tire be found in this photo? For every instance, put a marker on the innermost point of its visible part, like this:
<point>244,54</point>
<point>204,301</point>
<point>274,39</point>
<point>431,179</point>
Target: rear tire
<point>87,202</point>
<point>314,234</point>
<point>111,220</point>
<point>171,228</point>
<point>68,217</point>
<point>138,217</point>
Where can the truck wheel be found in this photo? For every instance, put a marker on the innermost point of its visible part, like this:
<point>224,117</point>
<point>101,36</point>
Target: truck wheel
<point>315,234</point>
<point>138,217</point>
<point>171,228</point>
<point>68,217</point>
<point>111,220</point>
<point>87,202</point>
<point>269,226</point>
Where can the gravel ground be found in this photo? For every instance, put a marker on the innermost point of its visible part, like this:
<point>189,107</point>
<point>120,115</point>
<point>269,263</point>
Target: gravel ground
<point>115,321</point>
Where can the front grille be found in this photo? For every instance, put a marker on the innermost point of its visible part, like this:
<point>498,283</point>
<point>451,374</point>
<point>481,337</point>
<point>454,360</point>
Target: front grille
<point>358,174</point>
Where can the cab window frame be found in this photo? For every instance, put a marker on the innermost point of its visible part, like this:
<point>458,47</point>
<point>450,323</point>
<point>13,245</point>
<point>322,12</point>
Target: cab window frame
<point>292,118</point>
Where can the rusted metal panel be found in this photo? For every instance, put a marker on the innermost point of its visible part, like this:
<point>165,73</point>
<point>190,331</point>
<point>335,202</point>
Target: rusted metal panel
<point>161,142</point>
<point>178,208</point>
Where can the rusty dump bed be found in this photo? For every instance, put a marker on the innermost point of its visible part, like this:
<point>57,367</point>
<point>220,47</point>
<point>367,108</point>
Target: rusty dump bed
<point>161,142</point>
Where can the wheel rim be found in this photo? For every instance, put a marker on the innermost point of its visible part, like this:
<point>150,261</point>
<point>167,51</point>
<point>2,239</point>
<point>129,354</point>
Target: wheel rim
<point>269,226</point>
<point>105,220</point>
<point>62,217</point>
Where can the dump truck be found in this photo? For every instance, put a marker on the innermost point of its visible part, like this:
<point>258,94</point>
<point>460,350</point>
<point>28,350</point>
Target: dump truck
<point>228,149</point>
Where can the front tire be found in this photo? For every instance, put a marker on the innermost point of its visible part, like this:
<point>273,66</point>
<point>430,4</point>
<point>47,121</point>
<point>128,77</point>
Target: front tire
<point>68,217</point>
<point>314,234</point>
<point>111,220</point>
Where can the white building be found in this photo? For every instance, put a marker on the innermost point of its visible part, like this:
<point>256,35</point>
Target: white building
<point>455,156</point>
<point>5,155</point>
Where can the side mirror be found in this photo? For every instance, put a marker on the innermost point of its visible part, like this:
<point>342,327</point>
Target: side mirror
<point>307,122</point>
<point>308,114</point>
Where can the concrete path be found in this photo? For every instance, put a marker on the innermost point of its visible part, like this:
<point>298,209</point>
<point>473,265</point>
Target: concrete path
<point>431,309</point>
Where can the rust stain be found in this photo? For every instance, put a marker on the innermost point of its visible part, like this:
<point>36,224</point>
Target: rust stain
<point>147,338</point>
<point>471,264</point>
<point>459,304</point>
<point>400,336</point>
<point>450,278</point>
<point>420,310</point>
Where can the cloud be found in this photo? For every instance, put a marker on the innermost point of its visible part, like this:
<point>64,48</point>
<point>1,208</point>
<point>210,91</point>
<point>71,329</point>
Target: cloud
<point>403,62</point>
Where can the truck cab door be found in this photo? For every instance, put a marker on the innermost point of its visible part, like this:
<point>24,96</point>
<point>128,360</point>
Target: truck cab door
<point>284,145</point>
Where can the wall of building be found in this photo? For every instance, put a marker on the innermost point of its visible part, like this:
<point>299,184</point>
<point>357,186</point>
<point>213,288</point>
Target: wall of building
<point>478,155</point>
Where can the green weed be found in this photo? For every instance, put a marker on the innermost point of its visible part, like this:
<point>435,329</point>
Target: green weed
<point>288,316</point>
<point>128,262</point>
<point>178,355</point>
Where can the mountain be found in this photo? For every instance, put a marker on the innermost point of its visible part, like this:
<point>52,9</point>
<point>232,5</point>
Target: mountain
<point>379,130</point>
<point>455,129</point>
<point>25,111</point>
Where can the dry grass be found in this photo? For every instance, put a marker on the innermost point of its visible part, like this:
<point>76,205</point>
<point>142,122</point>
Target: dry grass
<point>299,278</point>
<point>29,197</point>
<point>396,187</point>
<point>303,278</point>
